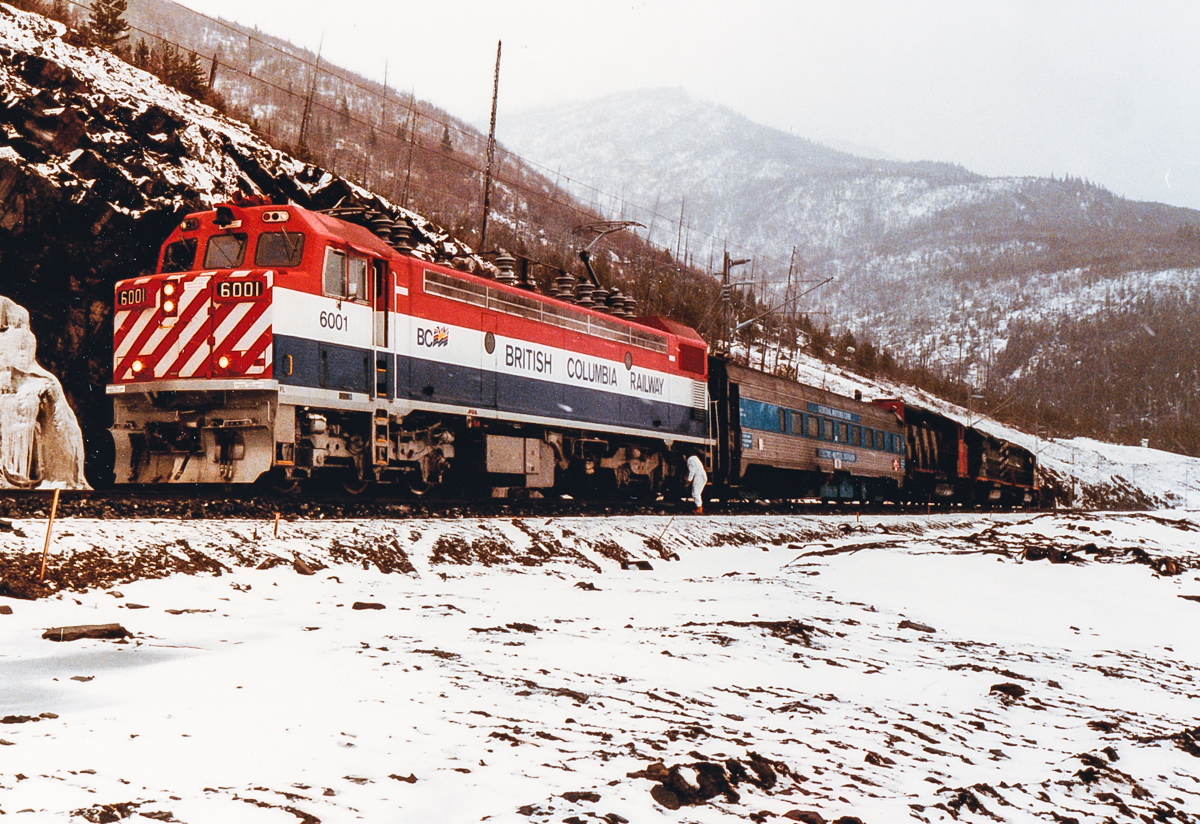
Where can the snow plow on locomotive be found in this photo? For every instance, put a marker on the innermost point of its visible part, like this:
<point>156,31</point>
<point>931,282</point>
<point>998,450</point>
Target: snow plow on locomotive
<point>279,343</point>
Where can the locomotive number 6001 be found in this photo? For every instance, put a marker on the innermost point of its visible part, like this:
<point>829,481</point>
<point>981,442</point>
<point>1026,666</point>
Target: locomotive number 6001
<point>241,289</point>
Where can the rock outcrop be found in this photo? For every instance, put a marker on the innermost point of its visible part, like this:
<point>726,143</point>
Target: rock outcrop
<point>40,439</point>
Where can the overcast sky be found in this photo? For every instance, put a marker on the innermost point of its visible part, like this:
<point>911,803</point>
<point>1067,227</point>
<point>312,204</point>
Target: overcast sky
<point>1100,89</point>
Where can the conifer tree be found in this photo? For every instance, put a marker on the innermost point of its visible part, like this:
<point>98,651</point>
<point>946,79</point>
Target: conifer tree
<point>107,25</point>
<point>141,56</point>
<point>189,76</point>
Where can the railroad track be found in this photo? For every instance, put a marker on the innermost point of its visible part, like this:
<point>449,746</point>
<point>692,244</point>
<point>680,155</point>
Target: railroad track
<point>259,503</point>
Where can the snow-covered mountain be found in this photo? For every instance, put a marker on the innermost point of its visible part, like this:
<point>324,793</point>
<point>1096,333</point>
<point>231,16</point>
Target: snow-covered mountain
<point>935,264</point>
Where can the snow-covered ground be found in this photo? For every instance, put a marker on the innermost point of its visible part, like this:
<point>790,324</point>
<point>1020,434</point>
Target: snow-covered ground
<point>1015,668</point>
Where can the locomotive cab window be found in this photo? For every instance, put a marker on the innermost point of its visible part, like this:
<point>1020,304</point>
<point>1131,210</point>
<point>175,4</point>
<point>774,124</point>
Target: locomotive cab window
<point>345,275</point>
<point>179,256</point>
<point>225,251</point>
<point>335,273</point>
<point>356,278</point>
<point>279,249</point>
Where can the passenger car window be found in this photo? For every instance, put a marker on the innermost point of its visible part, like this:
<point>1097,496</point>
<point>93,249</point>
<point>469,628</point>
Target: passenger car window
<point>225,251</point>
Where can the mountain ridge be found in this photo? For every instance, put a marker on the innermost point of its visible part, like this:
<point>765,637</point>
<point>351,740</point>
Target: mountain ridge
<point>927,259</point>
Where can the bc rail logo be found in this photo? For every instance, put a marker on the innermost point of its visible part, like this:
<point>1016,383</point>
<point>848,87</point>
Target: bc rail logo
<point>439,336</point>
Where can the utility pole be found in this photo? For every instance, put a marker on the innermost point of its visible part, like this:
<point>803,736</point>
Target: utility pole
<point>727,299</point>
<point>383,114</point>
<point>312,91</point>
<point>412,142</point>
<point>491,155</point>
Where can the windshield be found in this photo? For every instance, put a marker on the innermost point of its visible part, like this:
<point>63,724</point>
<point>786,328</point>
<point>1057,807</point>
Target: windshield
<point>279,249</point>
<point>225,251</point>
<point>180,256</point>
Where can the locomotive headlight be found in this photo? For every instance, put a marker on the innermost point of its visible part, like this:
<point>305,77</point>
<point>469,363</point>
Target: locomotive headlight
<point>223,361</point>
<point>169,304</point>
<point>138,366</point>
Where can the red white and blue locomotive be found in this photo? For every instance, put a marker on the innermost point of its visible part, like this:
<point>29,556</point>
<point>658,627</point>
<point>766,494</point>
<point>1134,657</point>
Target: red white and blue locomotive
<point>276,342</point>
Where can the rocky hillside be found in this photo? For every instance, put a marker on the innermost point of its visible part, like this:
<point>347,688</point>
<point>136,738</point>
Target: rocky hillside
<point>98,161</point>
<point>936,264</point>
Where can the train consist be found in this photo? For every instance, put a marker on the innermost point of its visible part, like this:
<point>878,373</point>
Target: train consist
<point>276,344</point>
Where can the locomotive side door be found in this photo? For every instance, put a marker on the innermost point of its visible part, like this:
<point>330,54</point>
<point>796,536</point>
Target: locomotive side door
<point>381,343</point>
<point>400,326</point>
<point>488,360</point>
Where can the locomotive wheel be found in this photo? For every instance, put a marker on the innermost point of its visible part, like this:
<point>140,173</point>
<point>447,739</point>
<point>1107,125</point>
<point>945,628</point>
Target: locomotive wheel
<point>417,485</point>
<point>285,485</point>
<point>355,485</point>
<point>278,482</point>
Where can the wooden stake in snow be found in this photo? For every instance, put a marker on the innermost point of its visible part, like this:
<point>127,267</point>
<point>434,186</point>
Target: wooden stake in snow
<point>276,524</point>
<point>665,528</point>
<point>49,527</point>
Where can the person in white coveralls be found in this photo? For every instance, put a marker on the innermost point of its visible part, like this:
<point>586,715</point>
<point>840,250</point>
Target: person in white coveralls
<point>697,477</point>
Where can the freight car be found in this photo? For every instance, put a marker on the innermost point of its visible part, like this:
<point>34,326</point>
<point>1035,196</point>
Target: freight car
<point>276,343</point>
<point>778,438</point>
<point>952,463</point>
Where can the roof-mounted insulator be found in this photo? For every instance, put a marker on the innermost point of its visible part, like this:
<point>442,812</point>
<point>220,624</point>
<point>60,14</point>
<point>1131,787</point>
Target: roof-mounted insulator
<point>583,294</point>
<point>381,225</point>
<point>616,304</point>
<point>506,263</point>
<point>564,286</point>
<point>600,299</point>
<point>402,237</point>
